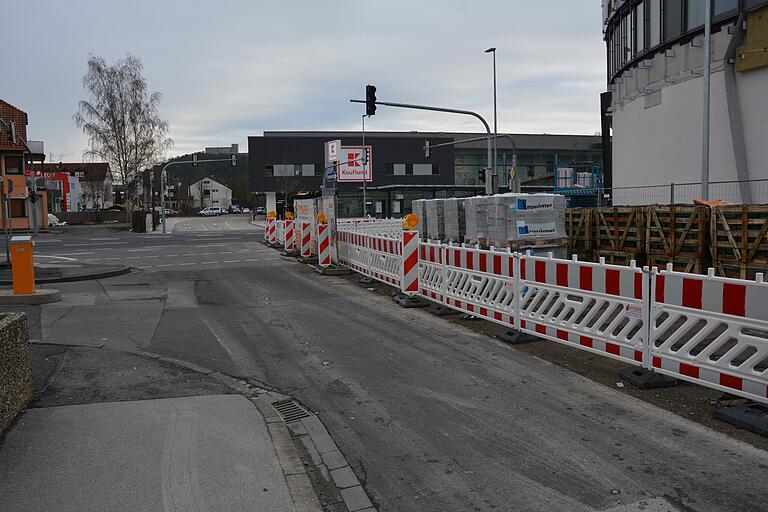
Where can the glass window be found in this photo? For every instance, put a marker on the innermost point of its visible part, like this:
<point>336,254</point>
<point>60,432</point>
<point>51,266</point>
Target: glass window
<point>694,14</point>
<point>269,171</point>
<point>639,28</point>
<point>18,208</point>
<point>284,170</point>
<point>422,169</point>
<point>307,169</point>
<point>654,23</point>
<point>398,169</point>
<point>12,164</point>
<point>673,19</point>
<point>624,41</point>
<point>724,6</point>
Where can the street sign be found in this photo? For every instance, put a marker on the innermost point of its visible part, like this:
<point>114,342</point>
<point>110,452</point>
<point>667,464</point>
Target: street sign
<point>352,166</point>
<point>332,150</point>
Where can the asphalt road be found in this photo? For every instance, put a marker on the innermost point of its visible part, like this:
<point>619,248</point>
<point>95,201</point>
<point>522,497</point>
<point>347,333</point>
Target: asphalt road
<point>432,416</point>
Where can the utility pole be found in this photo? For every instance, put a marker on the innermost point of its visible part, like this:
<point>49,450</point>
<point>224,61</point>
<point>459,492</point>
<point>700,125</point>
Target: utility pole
<point>707,76</point>
<point>495,120</point>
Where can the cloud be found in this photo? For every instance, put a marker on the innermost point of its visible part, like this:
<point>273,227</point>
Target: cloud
<point>235,68</point>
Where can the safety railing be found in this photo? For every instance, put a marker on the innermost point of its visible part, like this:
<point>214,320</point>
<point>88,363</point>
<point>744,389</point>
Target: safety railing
<point>383,227</point>
<point>705,329</point>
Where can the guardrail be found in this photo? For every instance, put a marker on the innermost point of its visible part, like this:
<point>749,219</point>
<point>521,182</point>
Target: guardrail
<point>701,328</point>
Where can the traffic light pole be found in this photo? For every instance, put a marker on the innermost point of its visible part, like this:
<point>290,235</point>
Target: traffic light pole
<point>365,175</point>
<point>491,185</point>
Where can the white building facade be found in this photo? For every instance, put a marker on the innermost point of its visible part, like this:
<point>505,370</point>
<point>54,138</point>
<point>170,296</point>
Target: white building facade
<point>655,55</point>
<point>209,193</point>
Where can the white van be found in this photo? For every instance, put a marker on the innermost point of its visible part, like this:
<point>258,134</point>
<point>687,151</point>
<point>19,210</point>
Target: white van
<point>211,211</point>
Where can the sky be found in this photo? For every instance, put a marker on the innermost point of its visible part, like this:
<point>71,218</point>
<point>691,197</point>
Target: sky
<point>228,69</point>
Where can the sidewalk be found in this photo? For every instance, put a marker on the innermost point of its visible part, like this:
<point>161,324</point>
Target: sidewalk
<point>58,269</point>
<point>111,430</point>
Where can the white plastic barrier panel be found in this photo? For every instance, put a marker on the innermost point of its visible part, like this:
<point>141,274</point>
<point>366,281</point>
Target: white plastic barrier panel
<point>592,306</point>
<point>380,258</point>
<point>712,331</point>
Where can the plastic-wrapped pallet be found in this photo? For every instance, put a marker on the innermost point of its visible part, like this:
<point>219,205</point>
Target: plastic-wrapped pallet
<point>455,223</point>
<point>476,219</point>
<point>497,212</point>
<point>417,207</point>
<point>436,215</point>
<point>536,216</point>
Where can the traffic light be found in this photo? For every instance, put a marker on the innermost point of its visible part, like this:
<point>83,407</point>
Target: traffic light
<point>365,157</point>
<point>370,100</point>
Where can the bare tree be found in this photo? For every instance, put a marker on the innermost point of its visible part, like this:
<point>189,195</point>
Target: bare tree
<point>288,185</point>
<point>121,119</point>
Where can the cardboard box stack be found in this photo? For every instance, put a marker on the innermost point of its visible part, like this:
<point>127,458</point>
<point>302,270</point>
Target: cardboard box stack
<point>477,221</point>
<point>436,215</point>
<point>417,207</point>
<point>532,218</point>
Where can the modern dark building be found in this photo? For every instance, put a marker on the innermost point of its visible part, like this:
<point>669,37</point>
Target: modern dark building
<point>292,164</point>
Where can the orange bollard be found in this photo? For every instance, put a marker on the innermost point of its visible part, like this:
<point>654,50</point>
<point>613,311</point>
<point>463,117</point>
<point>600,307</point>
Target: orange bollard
<point>22,265</point>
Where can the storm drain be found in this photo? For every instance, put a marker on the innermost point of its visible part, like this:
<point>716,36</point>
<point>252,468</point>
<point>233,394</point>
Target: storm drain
<point>290,410</point>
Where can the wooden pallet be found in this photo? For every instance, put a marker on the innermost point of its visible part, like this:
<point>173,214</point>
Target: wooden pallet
<point>578,223</point>
<point>619,234</point>
<point>740,240</point>
<point>677,235</point>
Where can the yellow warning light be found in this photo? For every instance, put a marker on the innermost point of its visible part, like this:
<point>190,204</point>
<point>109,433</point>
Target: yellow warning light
<point>410,221</point>
<point>272,214</point>
<point>288,215</point>
<point>321,218</point>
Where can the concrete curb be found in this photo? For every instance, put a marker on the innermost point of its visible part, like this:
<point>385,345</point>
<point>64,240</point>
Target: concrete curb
<point>325,457</point>
<point>41,296</point>
<point>82,277</point>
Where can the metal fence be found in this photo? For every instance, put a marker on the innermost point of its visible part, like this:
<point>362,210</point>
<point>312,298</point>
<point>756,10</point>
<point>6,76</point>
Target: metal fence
<point>684,193</point>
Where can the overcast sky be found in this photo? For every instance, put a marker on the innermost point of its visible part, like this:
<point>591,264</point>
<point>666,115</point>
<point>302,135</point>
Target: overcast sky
<point>228,69</point>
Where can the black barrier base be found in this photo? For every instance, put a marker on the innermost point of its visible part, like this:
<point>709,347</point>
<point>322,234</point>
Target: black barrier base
<point>332,271</point>
<point>646,379</point>
<point>752,417</point>
<point>515,337</point>
<point>312,260</point>
<point>365,280</point>
<point>439,310</point>
<point>406,301</point>
<point>288,254</point>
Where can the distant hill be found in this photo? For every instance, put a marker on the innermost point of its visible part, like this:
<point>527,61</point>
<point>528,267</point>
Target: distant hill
<point>223,172</point>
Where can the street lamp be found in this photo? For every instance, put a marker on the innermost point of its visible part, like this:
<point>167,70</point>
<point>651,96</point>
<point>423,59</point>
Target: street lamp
<point>495,120</point>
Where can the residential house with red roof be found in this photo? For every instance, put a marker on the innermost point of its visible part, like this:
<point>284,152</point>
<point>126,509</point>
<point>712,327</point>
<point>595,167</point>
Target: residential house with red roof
<point>20,199</point>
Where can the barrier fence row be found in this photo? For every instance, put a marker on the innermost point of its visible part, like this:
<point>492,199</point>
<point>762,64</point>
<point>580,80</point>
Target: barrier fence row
<point>700,328</point>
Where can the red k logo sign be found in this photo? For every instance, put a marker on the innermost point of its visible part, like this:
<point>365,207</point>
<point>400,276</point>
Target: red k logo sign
<point>353,160</point>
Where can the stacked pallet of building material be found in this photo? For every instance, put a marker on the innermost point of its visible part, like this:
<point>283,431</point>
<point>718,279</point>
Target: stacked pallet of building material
<point>497,211</point>
<point>417,207</point>
<point>455,220</point>
<point>477,220</point>
<point>536,222</point>
<point>435,214</point>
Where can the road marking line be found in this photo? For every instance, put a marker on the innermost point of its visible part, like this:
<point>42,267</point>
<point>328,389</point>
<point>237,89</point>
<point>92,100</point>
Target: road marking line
<point>48,241</point>
<point>128,258</point>
<point>143,250</point>
<point>146,266</point>
<point>209,262</point>
<point>171,255</point>
<point>166,265</point>
<point>113,258</point>
<point>147,257</point>
<point>212,245</point>
<point>226,252</point>
<point>104,243</point>
<point>103,239</point>
<point>231,261</point>
<point>252,259</point>
<point>185,264</point>
<point>72,253</point>
<point>190,254</point>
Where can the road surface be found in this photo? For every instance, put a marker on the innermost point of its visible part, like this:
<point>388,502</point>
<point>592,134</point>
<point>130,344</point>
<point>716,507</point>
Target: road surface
<point>433,417</point>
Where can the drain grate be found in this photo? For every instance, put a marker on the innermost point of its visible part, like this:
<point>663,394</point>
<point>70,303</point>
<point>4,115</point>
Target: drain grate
<point>290,410</point>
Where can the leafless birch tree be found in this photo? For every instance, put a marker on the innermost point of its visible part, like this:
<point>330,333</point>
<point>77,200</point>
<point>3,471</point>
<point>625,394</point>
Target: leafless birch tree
<point>120,117</point>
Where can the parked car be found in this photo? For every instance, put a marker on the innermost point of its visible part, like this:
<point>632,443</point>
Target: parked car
<point>211,211</point>
<point>260,210</point>
<point>246,210</point>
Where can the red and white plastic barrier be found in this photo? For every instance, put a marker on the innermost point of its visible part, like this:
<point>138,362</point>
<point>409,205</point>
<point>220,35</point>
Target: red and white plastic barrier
<point>323,245</point>
<point>305,241</point>
<point>267,228</point>
<point>290,236</point>
<point>705,329</point>
<point>272,231</point>
<point>712,331</point>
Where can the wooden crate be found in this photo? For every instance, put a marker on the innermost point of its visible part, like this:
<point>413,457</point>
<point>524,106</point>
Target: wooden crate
<point>619,234</point>
<point>740,240</point>
<point>578,224</point>
<point>678,235</point>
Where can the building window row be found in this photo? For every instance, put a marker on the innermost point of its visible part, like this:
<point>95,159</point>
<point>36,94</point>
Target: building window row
<point>276,170</point>
<point>412,169</point>
<point>643,25</point>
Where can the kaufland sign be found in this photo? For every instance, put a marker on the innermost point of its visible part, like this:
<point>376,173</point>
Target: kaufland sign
<point>351,166</point>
